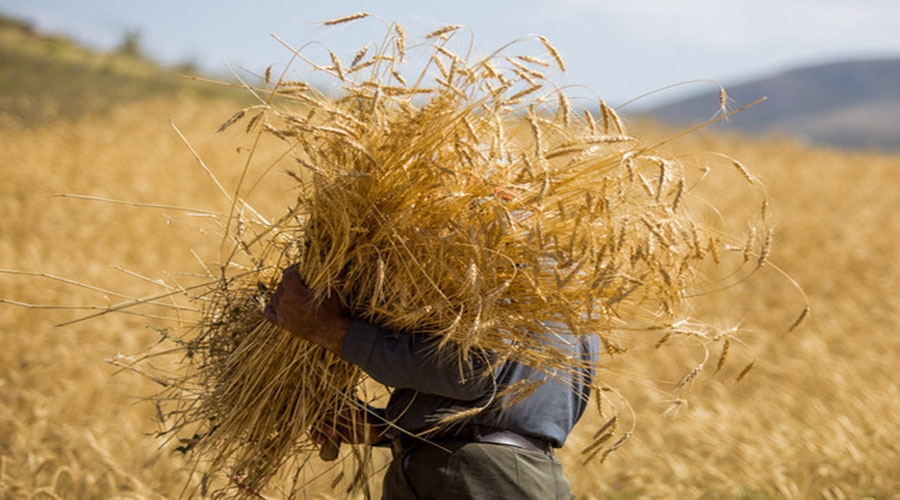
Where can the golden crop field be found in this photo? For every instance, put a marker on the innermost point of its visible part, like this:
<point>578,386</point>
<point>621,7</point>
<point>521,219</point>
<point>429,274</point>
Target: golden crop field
<point>815,418</point>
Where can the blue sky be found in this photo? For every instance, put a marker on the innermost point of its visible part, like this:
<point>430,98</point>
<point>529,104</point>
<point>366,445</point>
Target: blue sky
<point>620,48</point>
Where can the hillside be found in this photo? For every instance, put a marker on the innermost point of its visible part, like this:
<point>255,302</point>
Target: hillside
<point>43,78</point>
<point>853,104</point>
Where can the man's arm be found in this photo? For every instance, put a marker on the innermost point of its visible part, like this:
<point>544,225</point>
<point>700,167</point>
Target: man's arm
<point>407,361</point>
<point>414,361</point>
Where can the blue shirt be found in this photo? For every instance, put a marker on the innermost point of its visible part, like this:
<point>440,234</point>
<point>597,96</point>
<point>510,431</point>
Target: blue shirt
<point>429,382</point>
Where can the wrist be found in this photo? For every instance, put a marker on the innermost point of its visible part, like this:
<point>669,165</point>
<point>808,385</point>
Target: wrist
<point>376,434</point>
<point>333,339</point>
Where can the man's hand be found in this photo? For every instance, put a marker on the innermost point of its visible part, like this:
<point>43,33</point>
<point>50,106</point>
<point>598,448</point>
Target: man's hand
<point>352,425</point>
<point>293,307</point>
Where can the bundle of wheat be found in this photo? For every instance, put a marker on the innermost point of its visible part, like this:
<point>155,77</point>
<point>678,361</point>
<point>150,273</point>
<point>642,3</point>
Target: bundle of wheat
<point>470,201</point>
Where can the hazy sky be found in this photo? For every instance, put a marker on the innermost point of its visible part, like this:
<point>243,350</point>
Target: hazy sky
<point>619,48</point>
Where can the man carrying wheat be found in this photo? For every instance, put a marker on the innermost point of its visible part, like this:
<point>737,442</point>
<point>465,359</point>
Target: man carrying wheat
<point>465,237</point>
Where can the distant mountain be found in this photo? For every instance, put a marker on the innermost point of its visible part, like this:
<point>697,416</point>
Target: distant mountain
<point>853,104</point>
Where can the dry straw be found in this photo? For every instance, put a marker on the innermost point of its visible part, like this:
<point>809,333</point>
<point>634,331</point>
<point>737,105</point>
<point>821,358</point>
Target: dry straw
<point>477,204</point>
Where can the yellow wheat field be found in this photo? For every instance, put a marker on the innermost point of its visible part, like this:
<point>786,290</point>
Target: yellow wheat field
<point>815,418</point>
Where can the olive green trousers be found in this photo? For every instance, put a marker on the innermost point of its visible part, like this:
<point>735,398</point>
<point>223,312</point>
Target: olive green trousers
<point>461,470</point>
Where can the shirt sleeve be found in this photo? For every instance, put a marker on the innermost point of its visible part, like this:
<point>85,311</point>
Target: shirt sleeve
<point>414,361</point>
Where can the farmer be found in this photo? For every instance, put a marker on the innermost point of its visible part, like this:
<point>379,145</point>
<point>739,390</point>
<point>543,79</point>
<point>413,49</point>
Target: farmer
<point>505,451</point>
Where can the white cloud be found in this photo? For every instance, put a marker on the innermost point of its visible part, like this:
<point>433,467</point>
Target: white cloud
<point>741,23</point>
